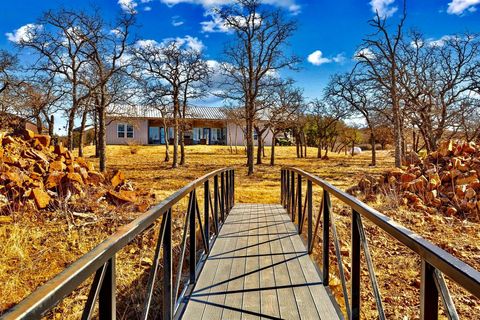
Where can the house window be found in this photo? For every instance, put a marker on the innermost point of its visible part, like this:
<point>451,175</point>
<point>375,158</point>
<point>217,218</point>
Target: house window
<point>121,130</point>
<point>129,131</point>
<point>255,135</point>
<point>124,130</point>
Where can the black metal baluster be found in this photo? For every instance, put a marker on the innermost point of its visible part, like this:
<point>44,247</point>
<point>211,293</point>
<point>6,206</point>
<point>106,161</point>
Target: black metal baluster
<point>206,202</point>
<point>167,301</point>
<point>193,240</point>
<point>428,293</point>
<point>281,186</point>
<point>355,272</point>
<point>292,196</point>
<point>107,301</point>
<point>215,199</point>
<point>299,202</point>
<point>326,240</point>
<point>154,268</point>
<point>222,196</point>
<point>309,215</point>
<point>94,292</point>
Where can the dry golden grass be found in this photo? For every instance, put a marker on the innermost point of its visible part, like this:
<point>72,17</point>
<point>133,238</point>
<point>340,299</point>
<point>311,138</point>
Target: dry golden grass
<point>35,249</point>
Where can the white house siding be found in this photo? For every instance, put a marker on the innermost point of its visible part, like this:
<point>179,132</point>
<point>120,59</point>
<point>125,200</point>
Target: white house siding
<point>140,131</point>
<point>235,136</point>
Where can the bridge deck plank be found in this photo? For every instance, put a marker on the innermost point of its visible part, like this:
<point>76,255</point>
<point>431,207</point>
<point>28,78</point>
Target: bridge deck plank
<point>259,269</point>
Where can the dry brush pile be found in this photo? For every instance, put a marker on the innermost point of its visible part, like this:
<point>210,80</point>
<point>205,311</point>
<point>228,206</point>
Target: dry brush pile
<point>37,176</point>
<point>445,181</point>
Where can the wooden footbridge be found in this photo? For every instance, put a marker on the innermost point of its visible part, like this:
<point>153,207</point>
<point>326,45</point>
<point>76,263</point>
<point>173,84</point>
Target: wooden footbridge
<point>253,260</point>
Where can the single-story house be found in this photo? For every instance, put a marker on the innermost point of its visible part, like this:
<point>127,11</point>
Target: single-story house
<point>146,126</point>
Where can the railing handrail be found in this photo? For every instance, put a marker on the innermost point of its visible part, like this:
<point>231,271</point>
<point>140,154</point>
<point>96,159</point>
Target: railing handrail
<point>54,290</point>
<point>460,272</point>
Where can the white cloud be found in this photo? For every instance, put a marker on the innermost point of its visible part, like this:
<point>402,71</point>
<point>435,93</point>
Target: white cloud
<point>384,8</point>
<point>439,42</point>
<point>459,6</point>
<point>290,5</point>
<point>24,33</point>
<point>365,52</point>
<point>188,41</point>
<point>216,24</point>
<point>316,58</point>
<point>128,5</point>
<point>339,58</point>
<point>191,43</point>
<point>176,21</point>
<point>147,8</point>
<point>146,43</point>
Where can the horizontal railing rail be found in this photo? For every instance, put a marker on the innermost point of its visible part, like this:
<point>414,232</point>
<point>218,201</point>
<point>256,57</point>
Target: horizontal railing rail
<point>435,261</point>
<point>100,261</point>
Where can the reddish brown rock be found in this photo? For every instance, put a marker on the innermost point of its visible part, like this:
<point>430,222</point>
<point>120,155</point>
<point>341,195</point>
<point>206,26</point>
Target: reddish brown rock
<point>117,179</point>
<point>43,139</point>
<point>42,199</point>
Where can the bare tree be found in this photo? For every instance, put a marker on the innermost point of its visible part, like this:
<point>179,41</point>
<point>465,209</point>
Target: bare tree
<point>357,92</point>
<point>435,81</point>
<point>287,102</point>
<point>108,81</point>
<point>379,55</point>
<point>179,68</point>
<point>256,52</point>
<point>59,46</point>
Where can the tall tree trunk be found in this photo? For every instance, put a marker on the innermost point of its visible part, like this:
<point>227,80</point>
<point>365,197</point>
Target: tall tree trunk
<point>51,125</point>
<point>175,131</point>
<point>259,148</point>
<point>39,124</point>
<point>95,128</point>
<point>167,137</point>
<point>81,137</point>
<point>374,148</point>
<point>102,139</point>
<point>250,146</point>
<point>272,152</point>
<point>70,127</point>
<point>319,150</point>
<point>182,143</point>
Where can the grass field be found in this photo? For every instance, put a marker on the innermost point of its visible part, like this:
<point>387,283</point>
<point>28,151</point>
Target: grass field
<point>27,246</point>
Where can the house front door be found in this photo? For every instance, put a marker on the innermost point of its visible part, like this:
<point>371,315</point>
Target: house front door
<point>206,135</point>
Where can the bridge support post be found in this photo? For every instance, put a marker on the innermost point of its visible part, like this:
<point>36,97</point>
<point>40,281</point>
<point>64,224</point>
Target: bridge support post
<point>167,310</point>
<point>107,298</point>
<point>282,185</point>
<point>355,280</point>
<point>326,238</point>
<point>428,293</point>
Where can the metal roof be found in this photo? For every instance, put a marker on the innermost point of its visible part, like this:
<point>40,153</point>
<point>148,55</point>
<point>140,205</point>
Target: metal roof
<point>193,112</point>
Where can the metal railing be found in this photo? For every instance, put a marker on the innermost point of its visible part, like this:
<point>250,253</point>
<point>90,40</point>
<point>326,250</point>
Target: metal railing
<point>100,261</point>
<point>435,261</point>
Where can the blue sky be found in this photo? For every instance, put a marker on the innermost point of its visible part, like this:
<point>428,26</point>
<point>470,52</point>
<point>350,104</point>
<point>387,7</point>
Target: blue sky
<point>328,35</point>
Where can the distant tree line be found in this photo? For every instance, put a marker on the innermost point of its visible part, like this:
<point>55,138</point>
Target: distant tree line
<point>403,84</point>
